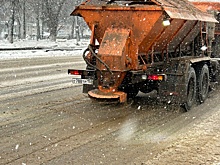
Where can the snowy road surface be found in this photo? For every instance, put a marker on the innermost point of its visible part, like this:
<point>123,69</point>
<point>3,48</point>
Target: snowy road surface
<point>44,119</point>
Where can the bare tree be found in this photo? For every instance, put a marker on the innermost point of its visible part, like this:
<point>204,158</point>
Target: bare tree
<point>19,27</point>
<point>12,20</point>
<point>53,8</point>
<point>72,28</point>
<point>38,12</point>
<point>38,25</point>
<point>24,19</point>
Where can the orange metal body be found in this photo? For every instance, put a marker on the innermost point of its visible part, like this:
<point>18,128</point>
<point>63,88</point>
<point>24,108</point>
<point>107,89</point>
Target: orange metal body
<point>205,6</point>
<point>210,6</point>
<point>124,31</point>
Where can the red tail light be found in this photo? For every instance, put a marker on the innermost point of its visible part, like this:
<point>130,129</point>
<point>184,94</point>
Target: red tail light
<point>155,77</point>
<point>75,72</point>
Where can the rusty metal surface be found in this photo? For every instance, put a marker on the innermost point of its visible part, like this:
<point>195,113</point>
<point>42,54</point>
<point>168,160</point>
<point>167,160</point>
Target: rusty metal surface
<point>145,23</point>
<point>113,49</point>
<point>208,6</point>
<point>139,22</point>
<point>176,9</point>
<point>205,6</point>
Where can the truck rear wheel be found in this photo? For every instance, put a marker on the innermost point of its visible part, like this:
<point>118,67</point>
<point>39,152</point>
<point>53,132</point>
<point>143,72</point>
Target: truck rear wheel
<point>191,89</point>
<point>203,82</point>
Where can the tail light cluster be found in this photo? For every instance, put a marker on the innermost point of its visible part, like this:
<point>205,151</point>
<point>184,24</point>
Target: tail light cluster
<point>75,72</point>
<point>154,77</point>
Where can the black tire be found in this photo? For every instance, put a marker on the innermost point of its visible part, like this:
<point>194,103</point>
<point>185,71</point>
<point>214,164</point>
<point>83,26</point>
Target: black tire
<point>190,89</point>
<point>203,83</point>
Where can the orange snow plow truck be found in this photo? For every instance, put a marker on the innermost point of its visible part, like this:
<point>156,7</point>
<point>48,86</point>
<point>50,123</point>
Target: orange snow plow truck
<point>145,45</point>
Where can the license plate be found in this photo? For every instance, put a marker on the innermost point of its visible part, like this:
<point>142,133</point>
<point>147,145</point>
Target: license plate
<point>82,81</point>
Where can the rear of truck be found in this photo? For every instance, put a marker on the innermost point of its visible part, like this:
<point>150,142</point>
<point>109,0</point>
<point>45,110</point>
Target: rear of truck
<point>143,46</point>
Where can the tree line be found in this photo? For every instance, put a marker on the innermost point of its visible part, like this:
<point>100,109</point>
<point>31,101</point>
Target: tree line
<point>45,14</point>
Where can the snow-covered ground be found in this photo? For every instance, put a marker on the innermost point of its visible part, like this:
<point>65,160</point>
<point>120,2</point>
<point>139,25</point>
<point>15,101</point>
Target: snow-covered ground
<point>70,48</point>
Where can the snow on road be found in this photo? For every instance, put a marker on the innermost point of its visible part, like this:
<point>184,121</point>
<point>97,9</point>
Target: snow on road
<point>58,48</point>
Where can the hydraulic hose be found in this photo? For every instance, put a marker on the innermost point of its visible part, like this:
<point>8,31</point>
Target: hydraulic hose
<point>90,48</point>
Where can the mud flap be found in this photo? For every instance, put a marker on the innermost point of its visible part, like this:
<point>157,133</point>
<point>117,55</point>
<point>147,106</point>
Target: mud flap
<point>173,90</point>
